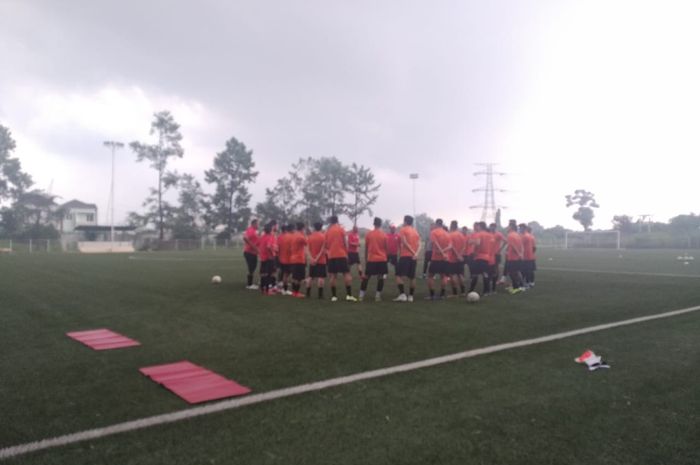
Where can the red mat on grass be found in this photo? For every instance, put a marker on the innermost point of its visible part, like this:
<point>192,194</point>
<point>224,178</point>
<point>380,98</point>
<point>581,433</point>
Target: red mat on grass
<point>193,383</point>
<point>102,339</point>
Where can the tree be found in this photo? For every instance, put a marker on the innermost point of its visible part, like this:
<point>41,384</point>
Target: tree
<point>322,184</point>
<point>280,203</point>
<point>363,189</point>
<point>13,181</point>
<point>187,216</point>
<point>31,216</point>
<point>422,222</point>
<point>232,171</point>
<point>586,203</point>
<point>685,224</point>
<point>623,223</point>
<point>168,146</point>
<point>536,227</point>
<point>159,212</point>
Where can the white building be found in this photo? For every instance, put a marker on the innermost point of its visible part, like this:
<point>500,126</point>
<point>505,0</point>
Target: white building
<point>76,213</point>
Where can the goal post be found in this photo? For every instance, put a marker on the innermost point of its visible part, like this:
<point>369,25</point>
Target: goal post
<point>592,240</point>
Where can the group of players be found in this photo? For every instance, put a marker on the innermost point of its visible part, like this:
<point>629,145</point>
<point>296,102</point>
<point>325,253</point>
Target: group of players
<point>283,253</point>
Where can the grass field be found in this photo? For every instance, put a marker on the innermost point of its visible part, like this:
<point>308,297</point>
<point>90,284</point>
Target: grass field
<point>531,405</point>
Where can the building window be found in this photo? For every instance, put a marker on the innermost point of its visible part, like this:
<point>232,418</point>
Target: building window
<point>69,216</point>
<point>90,217</point>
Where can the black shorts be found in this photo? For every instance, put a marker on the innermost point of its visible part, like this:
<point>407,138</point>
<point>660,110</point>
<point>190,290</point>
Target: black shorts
<point>318,271</point>
<point>479,267</point>
<point>440,267</point>
<point>406,267</point>
<point>528,266</point>
<point>338,265</point>
<point>298,271</point>
<point>498,259</point>
<point>376,269</point>
<point>353,258</point>
<point>267,267</point>
<point>251,260</point>
<point>393,259</point>
<point>285,268</point>
<point>427,255</point>
<point>513,266</point>
<point>457,268</point>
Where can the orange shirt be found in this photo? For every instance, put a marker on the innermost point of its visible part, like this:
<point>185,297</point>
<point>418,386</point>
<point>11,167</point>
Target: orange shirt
<point>375,245</point>
<point>266,247</point>
<point>500,240</point>
<point>440,237</point>
<point>284,244</point>
<point>515,246</point>
<point>458,243</point>
<point>353,242</point>
<point>251,234</point>
<point>315,242</point>
<point>392,241</point>
<point>469,248</point>
<point>297,255</point>
<point>528,246</point>
<point>335,242</point>
<point>484,249</point>
<point>412,238</point>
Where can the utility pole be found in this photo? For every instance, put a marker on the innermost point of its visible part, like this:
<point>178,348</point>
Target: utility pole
<point>413,177</point>
<point>113,145</point>
<point>489,207</point>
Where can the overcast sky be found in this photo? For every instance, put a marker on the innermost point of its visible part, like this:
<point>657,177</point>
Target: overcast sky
<point>599,95</point>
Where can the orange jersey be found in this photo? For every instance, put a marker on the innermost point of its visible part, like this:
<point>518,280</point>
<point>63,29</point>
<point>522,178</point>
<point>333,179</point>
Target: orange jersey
<point>284,246</point>
<point>353,242</point>
<point>515,246</point>
<point>439,237</point>
<point>458,243</point>
<point>484,249</point>
<point>469,247</point>
<point>411,237</point>
<point>335,242</point>
<point>500,240</point>
<point>528,246</point>
<point>392,240</point>
<point>376,246</point>
<point>316,241</point>
<point>297,249</point>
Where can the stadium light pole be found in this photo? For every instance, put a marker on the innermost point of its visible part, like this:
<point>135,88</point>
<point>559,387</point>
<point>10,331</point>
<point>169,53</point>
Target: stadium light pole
<point>413,177</point>
<point>113,145</point>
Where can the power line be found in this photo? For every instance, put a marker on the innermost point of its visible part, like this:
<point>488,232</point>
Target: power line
<point>489,206</point>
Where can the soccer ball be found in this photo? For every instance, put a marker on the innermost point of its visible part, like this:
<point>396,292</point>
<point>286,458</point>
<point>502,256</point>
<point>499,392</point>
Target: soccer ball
<point>216,279</point>
<point>473,297</point>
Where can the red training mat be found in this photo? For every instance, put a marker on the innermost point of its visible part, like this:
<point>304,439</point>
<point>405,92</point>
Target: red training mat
<point>102,339</point>
<point>193,383</point>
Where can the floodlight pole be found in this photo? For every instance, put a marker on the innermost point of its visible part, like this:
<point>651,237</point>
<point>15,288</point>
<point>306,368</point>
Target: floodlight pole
<point>413,177</point>
<point>114,146</point>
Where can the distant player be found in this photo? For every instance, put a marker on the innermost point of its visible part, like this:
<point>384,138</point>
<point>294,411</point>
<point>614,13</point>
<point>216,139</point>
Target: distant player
<point>376,259</point>
<point>267,253</point>
<point>514,257</point>
<point>354,251</point>
<point>317,259</point>
<point>456,259</point>
<point>428,255</point>
<point>409,248</point>
<point>250,252</point>
<point>499,245</point>
<point>284,245</point>
<point>439,264</point>
<point>468,253</point>
<point>482,241</point>
<point>392,239</point>
<point>297,259</point>
<point>529,248</point>
<point>336,244</point>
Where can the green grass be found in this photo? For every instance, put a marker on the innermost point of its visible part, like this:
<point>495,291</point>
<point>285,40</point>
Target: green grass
<point>530,405</point>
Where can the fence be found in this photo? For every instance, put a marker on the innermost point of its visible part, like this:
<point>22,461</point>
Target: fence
<point>60,246</point>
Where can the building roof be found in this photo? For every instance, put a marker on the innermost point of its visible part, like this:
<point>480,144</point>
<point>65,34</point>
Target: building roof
<point>77,204</point>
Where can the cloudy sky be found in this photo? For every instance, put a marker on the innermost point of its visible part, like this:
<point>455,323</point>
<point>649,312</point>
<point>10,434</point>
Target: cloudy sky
<point>600,95</point>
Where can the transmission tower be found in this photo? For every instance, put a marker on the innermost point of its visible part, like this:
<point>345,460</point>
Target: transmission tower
<point>489,207</point>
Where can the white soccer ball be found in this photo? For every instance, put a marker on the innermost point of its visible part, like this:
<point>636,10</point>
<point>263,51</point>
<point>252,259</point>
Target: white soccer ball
<point>216,279</point>
<point>473,297</point>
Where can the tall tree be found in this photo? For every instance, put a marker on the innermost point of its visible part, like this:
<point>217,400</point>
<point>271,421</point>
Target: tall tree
<point>586,203</point>
<point>280,202</point>
<point>158,155</point>
<point>158,212</point>
<point>422,223</point>
<point>13,181</point>
<point>188,217</point>
<point>363,189</point>
<point>623,223</point>
<point>322,184</point>
<point>232,172</point>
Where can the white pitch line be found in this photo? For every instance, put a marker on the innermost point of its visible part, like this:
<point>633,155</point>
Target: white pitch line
<point>631,273</point>
<point>230,404</point>
<point>181,259</point>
